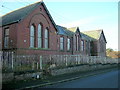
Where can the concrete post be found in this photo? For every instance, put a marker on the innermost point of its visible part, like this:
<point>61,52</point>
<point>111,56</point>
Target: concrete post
<point>37,65</point>
<point>33,65</point>
<point>76,59</point>
<point>66,60</point>
<point>40,62</point>
<point>12,60</point>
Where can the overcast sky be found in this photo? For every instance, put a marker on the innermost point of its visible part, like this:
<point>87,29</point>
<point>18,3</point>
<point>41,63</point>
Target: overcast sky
<point>92,15</point>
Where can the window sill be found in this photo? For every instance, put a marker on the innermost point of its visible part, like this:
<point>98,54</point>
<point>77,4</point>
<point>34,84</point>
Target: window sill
<point>68,51</point>
<point>62,51</point>
<point>40,48</point>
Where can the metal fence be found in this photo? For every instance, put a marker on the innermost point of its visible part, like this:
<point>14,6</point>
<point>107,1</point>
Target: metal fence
<point>16,63</point>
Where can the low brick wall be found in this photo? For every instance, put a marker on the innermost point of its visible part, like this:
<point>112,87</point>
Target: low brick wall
<point>7,77</point>
<point>81,68</point>
<point>69,70</point>
<point>27,76</point>
<point>11,76</point>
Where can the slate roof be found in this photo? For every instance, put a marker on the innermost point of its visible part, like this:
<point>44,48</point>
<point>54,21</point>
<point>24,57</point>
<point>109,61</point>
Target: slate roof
<point>73,29</point>
<point>93,35</point>
<point>64,31</point>
<point>86,37</point>
<point>19,14</point>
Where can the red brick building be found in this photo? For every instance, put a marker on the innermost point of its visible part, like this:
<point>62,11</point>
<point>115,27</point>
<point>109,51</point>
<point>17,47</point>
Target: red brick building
<point>31,30</point>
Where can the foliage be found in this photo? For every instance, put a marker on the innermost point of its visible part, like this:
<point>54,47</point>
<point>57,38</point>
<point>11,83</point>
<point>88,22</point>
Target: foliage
<point>109,50</point>
<point>112,54</point>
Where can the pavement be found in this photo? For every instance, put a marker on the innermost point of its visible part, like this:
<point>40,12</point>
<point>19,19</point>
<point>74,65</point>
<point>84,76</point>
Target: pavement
<point>50,80</point>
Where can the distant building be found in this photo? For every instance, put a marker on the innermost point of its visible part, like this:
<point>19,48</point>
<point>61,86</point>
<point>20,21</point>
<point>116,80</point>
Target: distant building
<point>97,42</point>
<point>31,30</point>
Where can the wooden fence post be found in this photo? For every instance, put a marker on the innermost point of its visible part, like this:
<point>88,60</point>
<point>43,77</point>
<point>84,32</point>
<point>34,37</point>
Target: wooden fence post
<point>40,62</point>
<point>33,65</point>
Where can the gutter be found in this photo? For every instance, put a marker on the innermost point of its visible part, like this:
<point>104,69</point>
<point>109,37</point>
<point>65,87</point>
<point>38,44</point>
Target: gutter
<point>10,23</point>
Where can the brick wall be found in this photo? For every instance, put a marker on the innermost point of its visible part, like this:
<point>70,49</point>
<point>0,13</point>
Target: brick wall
<point>23,32</point>
<point>0,38</point>
<point>12,35</point>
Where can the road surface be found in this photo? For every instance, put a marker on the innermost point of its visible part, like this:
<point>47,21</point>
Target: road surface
<point>104,80</point>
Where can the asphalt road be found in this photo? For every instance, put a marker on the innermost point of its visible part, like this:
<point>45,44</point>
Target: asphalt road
<point>104,80</point>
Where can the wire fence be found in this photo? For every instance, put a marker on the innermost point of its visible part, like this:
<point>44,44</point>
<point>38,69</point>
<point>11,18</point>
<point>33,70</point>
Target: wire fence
<point>11,62</point>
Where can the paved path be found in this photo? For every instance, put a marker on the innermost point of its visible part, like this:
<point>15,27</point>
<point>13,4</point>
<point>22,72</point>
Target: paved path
<point>106,80</point>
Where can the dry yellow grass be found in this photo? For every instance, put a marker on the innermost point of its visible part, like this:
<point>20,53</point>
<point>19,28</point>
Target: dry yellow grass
<point>113,54</point>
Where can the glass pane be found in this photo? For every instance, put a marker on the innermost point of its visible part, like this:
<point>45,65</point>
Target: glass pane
<point>61,43</point>
<point>31,41</point>
<point>61,46</point>
<point>39,43</point>
<point>68,44</point>
<point>32,36</point>
<point>46,43</point>
<point>6,31</point>
<point>46,33</point>
<point>39,30</point>
<point>46,38</point>
<point>61,39</point>
<point>6,41</point>
<point>32,31</point>
<point>82,45</point>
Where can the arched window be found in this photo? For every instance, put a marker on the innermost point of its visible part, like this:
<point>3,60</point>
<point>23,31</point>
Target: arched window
<point>76,42</point>
<point>46,38</point>
<point>32,30</point>
<point>39,36</point>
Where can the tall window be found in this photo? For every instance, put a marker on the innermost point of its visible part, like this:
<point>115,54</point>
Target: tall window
<point>82,45</point>
<point>61,43</point>
<point>6,38</point>
<point>32,30</point>
<point>68,44</point>
<point>77,43</point>
<point>46,38</point>
<point>102,46</point>
<point>39,36</point>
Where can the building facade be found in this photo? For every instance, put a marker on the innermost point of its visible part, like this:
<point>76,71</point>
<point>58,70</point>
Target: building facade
<point>31,30</point>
